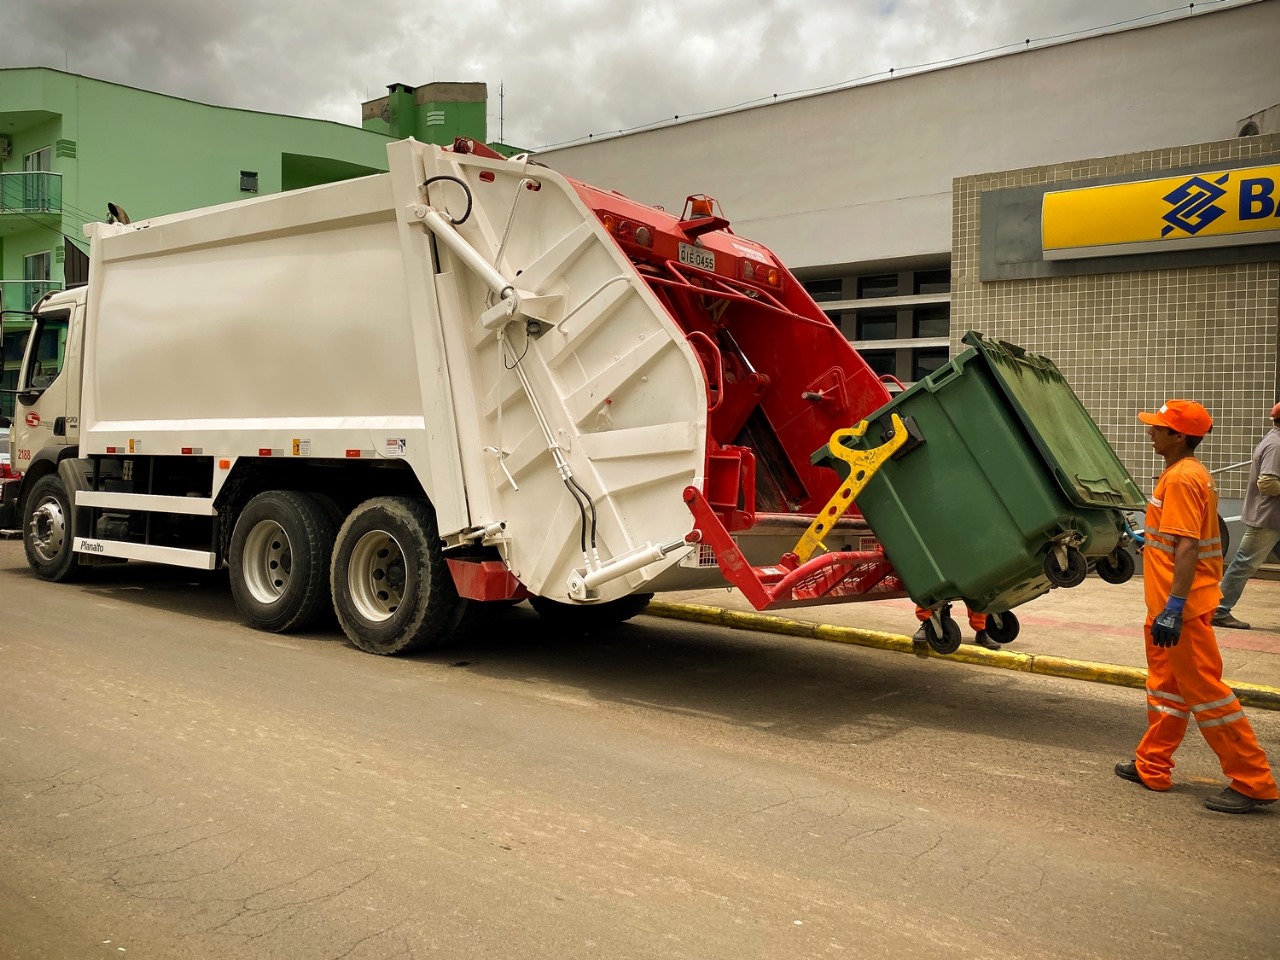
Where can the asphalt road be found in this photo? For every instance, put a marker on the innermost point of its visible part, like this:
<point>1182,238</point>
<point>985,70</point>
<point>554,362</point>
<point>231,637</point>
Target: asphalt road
<point>173,784</point>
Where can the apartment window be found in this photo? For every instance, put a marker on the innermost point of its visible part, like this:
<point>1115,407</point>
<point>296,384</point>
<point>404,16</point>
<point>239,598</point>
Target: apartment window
<point>36,187</point>
<point>824,291</point>
<point>933,282</point>
<point>881,361</point>
<point>884,285</point>
<point>36,266</point>
<point>39,161</point>
<point>926,361</point>
<point>248,181</point>
<point>877,325</point>
<point>932,321</point>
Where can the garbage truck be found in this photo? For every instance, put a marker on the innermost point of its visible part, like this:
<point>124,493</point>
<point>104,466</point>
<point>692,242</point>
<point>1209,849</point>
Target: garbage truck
<point>469,381</point>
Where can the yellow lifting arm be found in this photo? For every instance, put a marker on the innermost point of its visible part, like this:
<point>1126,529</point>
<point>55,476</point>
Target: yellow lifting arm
<point>863,465</point>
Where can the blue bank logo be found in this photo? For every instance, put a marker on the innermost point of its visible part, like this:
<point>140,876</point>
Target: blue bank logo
<point>1194,205</point>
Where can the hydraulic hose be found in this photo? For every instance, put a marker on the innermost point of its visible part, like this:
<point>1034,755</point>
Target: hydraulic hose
<point>465,189</point>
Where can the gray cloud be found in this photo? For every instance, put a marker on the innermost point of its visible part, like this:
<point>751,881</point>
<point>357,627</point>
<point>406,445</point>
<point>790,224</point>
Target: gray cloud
<point>569,67</point>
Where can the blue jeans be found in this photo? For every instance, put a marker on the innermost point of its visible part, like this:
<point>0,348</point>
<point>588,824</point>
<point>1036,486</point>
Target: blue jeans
<point>1255,546</point>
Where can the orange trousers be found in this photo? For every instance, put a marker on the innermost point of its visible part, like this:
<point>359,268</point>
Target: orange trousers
<point>1185,681</point>
<point>976,620</point>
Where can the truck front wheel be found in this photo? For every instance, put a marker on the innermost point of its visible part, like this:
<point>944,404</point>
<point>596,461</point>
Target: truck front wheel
<point>391,586</point>
<point>47,535</point>
<point>279,560</point>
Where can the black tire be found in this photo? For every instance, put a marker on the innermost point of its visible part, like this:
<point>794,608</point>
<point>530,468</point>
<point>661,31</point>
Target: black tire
<point>1072,575</point>
<point>330,507</point>
<point>391,587</point>
<point>279,560</point>
<point>1003,627</point>
<point>48,533</point>
<point>590,617</point>
<point>1117,567</point>
<point>950,640</point>
<point>1224,533</point>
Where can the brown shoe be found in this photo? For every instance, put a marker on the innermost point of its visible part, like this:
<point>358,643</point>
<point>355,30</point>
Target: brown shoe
<point>1230,622</point>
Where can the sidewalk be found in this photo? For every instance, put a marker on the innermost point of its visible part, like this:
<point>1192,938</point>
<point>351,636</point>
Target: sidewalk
<point>1096,621</point>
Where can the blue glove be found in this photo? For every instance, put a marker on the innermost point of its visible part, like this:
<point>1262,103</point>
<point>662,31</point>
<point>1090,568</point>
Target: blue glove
<point>1167,628</point>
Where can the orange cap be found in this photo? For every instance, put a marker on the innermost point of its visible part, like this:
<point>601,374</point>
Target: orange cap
<point>1181,416</point>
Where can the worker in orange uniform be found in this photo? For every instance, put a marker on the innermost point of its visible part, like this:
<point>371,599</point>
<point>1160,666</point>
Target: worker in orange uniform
<point>978,621</point>
<point>1182,565</point>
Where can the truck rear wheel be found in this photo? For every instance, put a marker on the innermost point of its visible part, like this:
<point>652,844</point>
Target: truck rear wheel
<point>590,617</point>
<point>47,534</point>
<point>279,560</point>
<point>391,587</point>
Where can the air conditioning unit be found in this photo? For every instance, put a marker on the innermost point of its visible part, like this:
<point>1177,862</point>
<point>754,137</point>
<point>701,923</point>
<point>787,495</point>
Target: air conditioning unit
<point>5,148</point>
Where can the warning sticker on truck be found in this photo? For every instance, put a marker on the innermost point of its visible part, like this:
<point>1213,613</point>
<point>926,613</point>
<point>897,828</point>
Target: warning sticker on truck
<point>301,448</point>
<point>395,446</point>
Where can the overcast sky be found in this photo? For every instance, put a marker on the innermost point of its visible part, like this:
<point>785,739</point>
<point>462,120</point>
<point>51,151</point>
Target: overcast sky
<point>569,67</point>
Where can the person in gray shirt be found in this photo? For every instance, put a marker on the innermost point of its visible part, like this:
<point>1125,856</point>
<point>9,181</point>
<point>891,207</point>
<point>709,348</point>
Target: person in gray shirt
<point>1261,518</point>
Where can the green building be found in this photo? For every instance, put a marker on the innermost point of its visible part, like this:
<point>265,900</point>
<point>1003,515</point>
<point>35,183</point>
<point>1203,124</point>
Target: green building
<point>70,144</point>
<point>434,113</point>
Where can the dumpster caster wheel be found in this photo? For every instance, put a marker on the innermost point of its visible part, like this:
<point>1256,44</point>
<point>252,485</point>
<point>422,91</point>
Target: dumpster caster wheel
<point>1071,575</point>
<point>1003,627</point>
<point>949,642</point>
<point>1117,567</point>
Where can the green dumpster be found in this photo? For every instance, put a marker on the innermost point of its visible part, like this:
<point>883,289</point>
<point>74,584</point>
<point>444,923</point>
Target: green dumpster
<point>1007,489</point>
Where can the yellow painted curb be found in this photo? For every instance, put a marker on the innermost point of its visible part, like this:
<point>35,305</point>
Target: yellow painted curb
<point>1250,694</point>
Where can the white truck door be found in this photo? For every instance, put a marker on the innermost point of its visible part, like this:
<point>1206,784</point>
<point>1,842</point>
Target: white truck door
<point>47,407</point>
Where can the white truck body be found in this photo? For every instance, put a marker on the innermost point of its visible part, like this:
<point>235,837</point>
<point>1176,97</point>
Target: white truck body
<point>467,361</point>
<point>311,323</point>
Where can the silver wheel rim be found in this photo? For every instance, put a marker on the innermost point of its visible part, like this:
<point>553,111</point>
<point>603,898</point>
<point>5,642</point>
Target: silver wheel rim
<point>376,576</point>
<point>267,561</point>
<point>48,530</point>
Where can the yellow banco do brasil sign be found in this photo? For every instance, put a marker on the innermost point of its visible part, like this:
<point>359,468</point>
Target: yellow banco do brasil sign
<point>1225,208</point>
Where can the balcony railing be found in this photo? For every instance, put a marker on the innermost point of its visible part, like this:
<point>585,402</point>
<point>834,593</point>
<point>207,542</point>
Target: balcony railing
<point>30,193</point>
<point>23,294</point>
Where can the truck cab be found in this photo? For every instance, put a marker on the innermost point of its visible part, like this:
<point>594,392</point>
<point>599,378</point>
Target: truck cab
<point>46,415</point>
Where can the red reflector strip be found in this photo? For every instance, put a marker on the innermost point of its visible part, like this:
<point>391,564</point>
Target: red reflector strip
<point>115,449</point>
<point>353,453</point>
<point>264,451</point>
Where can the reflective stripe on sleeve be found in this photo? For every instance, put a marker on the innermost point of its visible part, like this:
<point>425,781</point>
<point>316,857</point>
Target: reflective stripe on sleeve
<point>1206,548</point>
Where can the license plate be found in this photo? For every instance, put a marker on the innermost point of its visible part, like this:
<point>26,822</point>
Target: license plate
<point>697,257</point>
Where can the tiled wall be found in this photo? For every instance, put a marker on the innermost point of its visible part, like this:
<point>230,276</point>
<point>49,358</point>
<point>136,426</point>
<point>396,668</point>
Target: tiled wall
<point>1129,341</point>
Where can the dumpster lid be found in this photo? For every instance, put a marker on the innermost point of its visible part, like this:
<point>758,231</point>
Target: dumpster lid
<point>1082,460</point>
